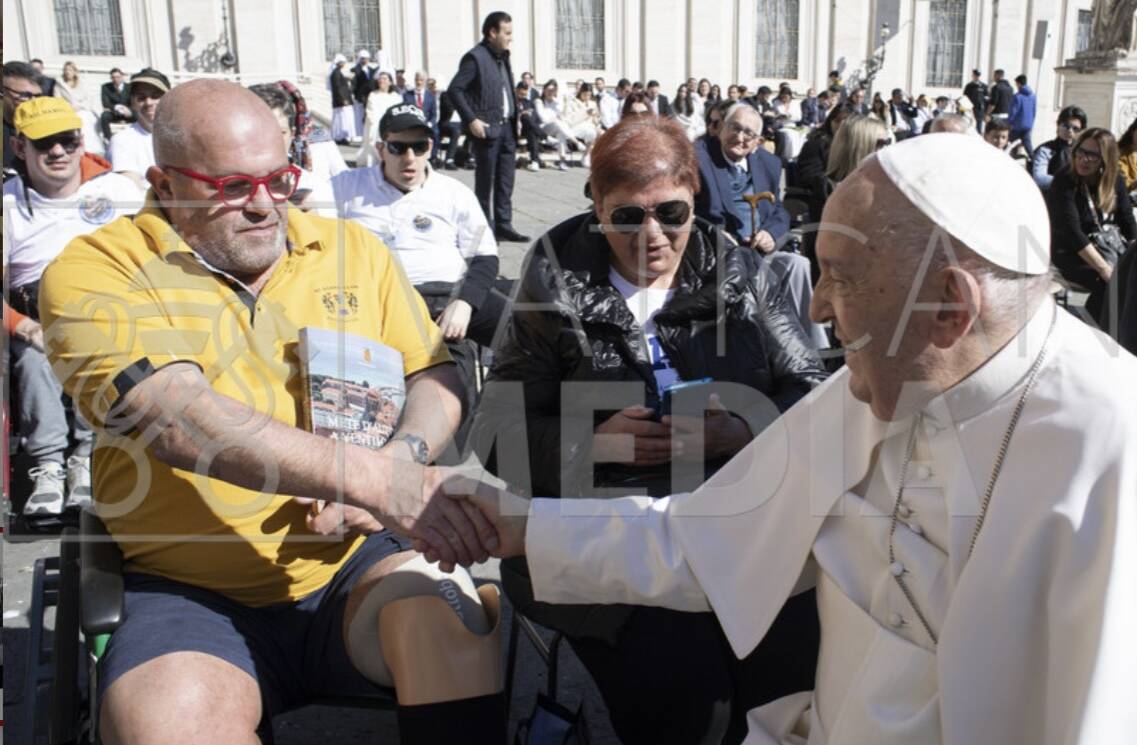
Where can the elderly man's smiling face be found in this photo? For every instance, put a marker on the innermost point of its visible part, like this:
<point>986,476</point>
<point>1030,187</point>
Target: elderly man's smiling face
<point>866,277</point>
<point>741,134</point>
<point>243,241</point>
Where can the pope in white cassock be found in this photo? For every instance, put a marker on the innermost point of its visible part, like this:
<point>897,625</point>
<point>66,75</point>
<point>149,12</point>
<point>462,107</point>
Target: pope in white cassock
<point>963,493</point>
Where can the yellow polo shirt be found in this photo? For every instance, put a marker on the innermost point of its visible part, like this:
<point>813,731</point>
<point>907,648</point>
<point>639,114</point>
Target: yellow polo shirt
<point>133,297</point>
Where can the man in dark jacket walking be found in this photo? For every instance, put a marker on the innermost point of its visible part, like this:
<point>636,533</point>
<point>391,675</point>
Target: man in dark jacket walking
<point>482,92</point>
<point>1002,97</point>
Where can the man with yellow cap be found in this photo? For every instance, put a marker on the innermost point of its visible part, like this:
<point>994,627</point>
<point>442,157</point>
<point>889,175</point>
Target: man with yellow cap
<point>962,493</point>
<point>60,193</point>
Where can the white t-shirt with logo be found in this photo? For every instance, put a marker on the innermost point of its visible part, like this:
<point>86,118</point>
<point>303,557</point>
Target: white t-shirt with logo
<point>433,230</point>
<point>36,228</point>
<point>132,149</point>
<point>644,303</point>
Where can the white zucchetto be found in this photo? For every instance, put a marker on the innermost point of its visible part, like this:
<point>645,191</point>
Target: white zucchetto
<point>976,193</point>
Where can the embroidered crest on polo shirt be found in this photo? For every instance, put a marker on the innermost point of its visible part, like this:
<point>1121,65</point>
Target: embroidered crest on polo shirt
<point>422,223</point>
<point>96,210</point>
<point>340,305</point>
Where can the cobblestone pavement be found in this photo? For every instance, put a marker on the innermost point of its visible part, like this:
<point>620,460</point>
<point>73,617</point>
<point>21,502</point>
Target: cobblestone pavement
<point>540,201</point>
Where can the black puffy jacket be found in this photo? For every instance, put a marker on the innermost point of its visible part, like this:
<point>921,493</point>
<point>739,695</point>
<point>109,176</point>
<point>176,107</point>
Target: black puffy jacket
<point>569,325</point>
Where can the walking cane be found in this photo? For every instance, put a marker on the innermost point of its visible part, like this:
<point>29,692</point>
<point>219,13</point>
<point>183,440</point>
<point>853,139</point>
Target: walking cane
<point>753,200</point>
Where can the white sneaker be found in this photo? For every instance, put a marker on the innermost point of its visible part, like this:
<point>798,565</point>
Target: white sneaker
<point>47,492</point>
<point>532,166</point>
<point>562,166</point>
<point>78,482</point>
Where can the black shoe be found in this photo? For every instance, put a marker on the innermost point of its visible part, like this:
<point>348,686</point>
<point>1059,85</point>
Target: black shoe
<point>451,165</point>
<point>469,165</point>
<point>511,235</point>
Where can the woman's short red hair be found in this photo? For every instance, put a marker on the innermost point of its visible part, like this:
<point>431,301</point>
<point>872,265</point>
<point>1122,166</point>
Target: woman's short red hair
<point>642,151</point>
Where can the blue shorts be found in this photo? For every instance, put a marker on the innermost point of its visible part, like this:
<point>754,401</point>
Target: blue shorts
<point>295,651</point>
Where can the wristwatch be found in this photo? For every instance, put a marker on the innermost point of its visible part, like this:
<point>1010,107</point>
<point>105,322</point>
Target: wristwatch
<point>419,450</point>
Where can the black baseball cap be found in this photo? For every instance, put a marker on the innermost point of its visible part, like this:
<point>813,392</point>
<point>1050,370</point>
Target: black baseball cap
<point>401,118</point>
<point>150,76</point>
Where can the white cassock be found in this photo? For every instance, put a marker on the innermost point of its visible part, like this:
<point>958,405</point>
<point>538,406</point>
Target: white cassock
<point>1037,631</point>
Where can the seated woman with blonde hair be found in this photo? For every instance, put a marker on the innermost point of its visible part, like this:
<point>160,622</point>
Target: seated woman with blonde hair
<point>858,138</point>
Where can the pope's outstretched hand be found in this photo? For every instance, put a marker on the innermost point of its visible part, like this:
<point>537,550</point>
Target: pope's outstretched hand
<point>496,516</point>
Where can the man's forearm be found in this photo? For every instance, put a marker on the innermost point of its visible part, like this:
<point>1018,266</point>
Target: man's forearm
<point>434,407</point>
<point>192,427</point>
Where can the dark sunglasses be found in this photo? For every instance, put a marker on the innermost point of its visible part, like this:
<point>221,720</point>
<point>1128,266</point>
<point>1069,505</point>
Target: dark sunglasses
<point>1070,127</point>
<point>670,214</point>
<point>399,148</point>
<point>69,142</point>
<point>20,96</point>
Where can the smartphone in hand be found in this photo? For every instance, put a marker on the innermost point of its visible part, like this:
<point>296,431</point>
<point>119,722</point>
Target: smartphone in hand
<point>684,388</point>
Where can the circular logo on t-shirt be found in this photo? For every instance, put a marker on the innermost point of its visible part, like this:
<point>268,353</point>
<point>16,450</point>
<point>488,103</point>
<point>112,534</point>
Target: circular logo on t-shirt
<point>96,210</point>
<point>422,223</point>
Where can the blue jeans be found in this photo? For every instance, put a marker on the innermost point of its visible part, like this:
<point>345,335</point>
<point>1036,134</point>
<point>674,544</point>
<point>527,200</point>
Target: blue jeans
<point>1024,136</point>
<point>40,408</point>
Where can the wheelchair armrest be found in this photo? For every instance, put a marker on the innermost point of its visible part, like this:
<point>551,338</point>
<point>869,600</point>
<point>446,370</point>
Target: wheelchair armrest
<point>101,596</point>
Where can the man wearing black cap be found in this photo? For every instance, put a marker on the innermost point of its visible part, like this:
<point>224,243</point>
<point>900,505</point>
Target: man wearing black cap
<point>434,225</point>
<point>482,93</point>
<point>976,92</point>
<point>132,149</point>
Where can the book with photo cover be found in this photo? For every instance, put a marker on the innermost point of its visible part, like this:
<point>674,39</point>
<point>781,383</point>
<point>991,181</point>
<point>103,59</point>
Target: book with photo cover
<point>354,387</point>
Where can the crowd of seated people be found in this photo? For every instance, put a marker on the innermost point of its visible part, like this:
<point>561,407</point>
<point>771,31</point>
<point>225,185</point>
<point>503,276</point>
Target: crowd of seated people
<point>688,243</point>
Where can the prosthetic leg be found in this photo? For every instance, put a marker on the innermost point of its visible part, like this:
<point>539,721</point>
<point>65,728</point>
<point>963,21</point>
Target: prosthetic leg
<point>439,647</point>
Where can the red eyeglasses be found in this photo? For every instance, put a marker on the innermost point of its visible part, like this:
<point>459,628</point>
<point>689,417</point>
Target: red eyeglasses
<point>237,190</point>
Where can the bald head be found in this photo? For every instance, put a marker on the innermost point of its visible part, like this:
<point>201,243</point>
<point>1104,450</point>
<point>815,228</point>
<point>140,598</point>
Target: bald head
<point>204,124</point>
<point>952,123</point>
<point>208,129</point>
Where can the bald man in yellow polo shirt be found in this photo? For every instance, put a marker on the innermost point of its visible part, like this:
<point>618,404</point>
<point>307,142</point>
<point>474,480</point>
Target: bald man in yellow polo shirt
<point>176,333</point>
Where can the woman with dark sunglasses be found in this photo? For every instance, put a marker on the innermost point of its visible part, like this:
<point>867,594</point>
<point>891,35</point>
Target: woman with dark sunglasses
<point>1087,201</point>
<point>615,306</point>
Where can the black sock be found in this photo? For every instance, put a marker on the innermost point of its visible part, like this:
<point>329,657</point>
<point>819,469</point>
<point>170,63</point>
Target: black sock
<point>468,721</point>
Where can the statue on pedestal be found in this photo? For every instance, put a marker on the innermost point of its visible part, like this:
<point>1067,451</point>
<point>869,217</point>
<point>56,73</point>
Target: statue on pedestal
<point>1114,30</point>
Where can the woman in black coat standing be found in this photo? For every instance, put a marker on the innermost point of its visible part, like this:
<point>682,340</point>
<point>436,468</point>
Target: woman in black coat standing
<point>1086,199</point>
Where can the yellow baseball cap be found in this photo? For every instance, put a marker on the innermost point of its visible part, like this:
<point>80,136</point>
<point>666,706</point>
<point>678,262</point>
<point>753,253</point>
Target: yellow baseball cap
<point>45,116</point>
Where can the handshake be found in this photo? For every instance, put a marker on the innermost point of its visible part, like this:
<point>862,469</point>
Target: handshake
<point>451,519</point>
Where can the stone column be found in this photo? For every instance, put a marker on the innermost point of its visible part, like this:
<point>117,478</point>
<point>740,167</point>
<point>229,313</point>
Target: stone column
<point>1103,79</point>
